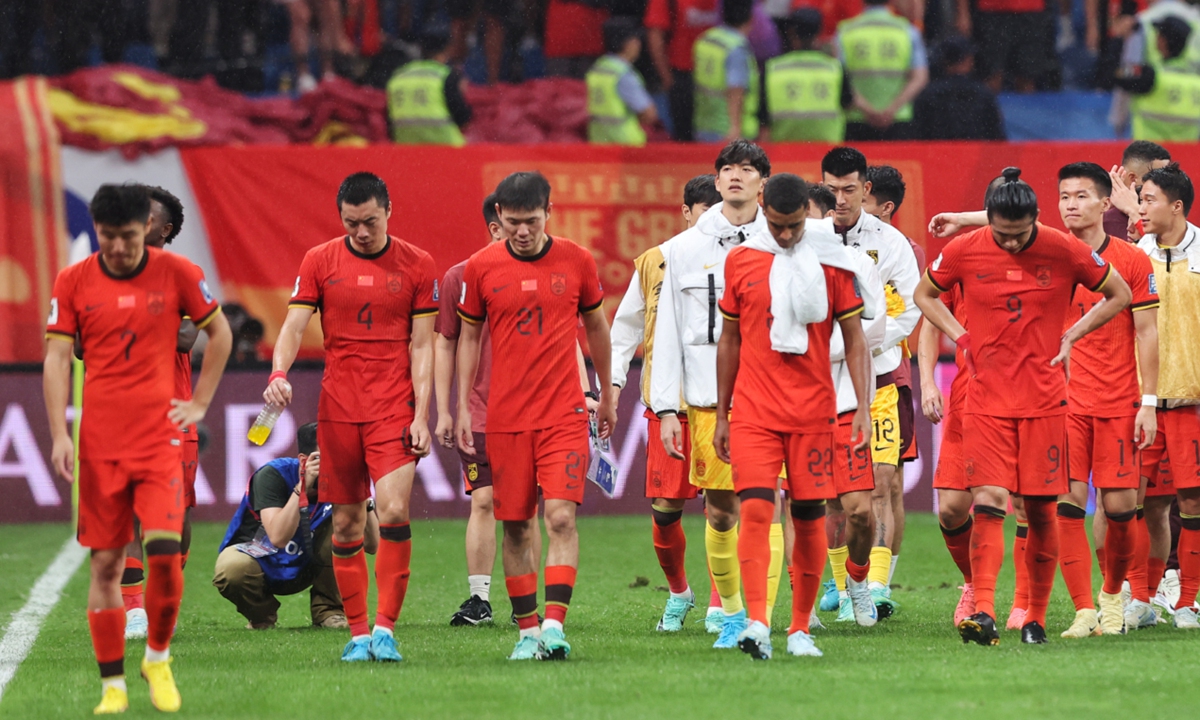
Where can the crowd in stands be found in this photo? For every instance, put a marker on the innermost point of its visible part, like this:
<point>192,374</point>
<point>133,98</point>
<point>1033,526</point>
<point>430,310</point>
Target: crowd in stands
<point>958,54</point>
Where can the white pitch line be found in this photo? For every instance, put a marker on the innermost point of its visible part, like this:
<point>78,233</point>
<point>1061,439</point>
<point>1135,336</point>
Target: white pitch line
<point>22,632</point>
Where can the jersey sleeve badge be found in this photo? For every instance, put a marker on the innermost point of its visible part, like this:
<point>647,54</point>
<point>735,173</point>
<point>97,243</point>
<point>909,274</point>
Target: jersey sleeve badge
<point>1153,284</point>
<point>1097,259</point>
<point>208,297</point>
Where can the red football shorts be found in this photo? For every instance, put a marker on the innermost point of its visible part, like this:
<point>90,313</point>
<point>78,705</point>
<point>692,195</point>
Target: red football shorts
<point>667,477</point>
<point>552,459</point>
<point>852,471</point>
<point>1177,447</point>
<point>950,473</point>
<point>1026,456</point>
<point>354,454</point>
<point>758,453</point>
<point>191,458</point>
<point>477,471</point>
<point>112,492</point>
<point>1103,448</point>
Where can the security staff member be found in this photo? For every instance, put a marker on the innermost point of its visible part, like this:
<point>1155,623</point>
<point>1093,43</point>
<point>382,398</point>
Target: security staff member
<point>886,60</point>
<point>618,104</point>
<point>806,89</point>
<point>425,98</point>
<point>1166,102</point>
<point>726,77</point>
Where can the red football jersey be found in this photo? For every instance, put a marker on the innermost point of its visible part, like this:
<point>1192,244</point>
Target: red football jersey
<point>766,376</point>
<point>1017,304</point>
<point>367,305</point>
<point>129,327</point>
<point>531,306</point>
<point>1104,372</point>
<point>449,325</point>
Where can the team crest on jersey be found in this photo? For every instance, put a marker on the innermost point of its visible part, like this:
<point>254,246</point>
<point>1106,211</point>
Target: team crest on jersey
<point>874,255</point>
<point>155,303</point>
<point>436,293</point>
<point>1153,285</point>
<point>1097,259</point>
<point>937,264</point>
<point>208,297</point>
<point>558,283</point>
<point>296,289</point>
<point>393,283</point>
<point>1043,276</point>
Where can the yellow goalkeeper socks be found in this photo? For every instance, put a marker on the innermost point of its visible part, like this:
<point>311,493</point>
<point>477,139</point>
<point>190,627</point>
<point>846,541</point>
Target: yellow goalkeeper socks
<point>775,569</point>
<point>881,565</point>
<point>837,563</point>
<point>726,571</point>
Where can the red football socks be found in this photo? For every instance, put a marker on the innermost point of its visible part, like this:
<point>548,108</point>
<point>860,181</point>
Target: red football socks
<point>987,555</point>
<point>392,563</point>
<point>108,640</point>
<point>560,584</point>
<point>1155,569</point>
<point>856,572</point>
<point>670,544</point>
<point>131,584</point>
<point>522,593</point>
<point>350,570</point>
<point>958,542</point>
<point>164,590</point>
<point>1137,574</point>
<point>1189,560</point>
<point>1075,557</point>
<point>1041,556</point>
<point>809,552</point>
<point>754,554</point>
<point>1020,571</point>
<point>1121,543</point>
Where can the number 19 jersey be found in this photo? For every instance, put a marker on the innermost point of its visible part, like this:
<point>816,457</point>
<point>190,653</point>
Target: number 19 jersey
<point>367,305</point>
<point>531,305</point>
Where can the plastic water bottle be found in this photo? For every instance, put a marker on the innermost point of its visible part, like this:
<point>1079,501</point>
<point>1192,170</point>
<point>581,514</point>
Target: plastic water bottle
<point>261,429</point>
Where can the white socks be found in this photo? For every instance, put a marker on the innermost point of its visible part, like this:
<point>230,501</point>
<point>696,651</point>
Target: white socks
<point>117,682</point>
<point>157,655</point>
<point>548,624</point>
<point>685,595</point>
<point>892,569</point>
<point>481,585</point>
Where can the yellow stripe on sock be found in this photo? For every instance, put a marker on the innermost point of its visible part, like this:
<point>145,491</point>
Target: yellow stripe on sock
<point>723,561</point>
<point>881,564</point>
<point>775,569</point>
<point>837,563</point>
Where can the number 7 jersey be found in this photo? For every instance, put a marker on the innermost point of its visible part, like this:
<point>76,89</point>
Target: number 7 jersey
<point>367,305</point>
<point>532,305</point>
<point>1015,305</point>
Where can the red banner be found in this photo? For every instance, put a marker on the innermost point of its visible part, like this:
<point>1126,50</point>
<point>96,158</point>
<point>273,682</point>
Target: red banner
<point>264,207</point>
<point>32,219</point>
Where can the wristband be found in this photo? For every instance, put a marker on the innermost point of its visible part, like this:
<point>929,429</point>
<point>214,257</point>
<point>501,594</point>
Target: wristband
<point>277,375</point>
<point>1149,401</point>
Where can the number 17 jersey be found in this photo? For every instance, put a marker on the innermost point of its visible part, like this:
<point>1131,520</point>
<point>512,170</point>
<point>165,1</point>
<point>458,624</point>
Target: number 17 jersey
<point>531,305</point>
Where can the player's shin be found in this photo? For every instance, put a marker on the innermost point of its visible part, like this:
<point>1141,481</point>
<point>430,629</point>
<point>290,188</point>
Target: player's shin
<point>1189,559</point>
<point>808,558</point>
<point>1020,569</point>
<point>754,549</point>
<point>670,545</point>
<point>392,568</point>
<point>1075,557</point>
<point>560,585</point>
<point>987,556</point>
<point>721,546</point>
<point>1041,556</point>
<point>775,569</point>
<point>1137,574</point>
<point>958,542</point>
<point>164,590</point>
<point>350,570</point>
<point>132,578</point>
<point>1121,544</point>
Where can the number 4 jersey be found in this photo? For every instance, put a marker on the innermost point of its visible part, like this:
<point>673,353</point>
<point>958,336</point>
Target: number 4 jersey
<point>532,305</point>
<point>128,326</point>
<point>1016,305</point>
<point>367,305</point>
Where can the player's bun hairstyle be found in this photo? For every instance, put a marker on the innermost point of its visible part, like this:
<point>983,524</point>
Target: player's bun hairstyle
<point>306,439</point>
<point>736,13</point>
<point>1012,199</point>
<point>618,31</point>
<point>523,191</point>
<point>1144,151</point>
<point>361,187</point>
<point>1088,171</point>
<point>1174,183</point>
<point>172,205</point>
<point>117,205</point>
<point>743,151</point>
<point>701,190</point>
<point>489,210</point>
<point>887,185</point>
<point>824,198</point>
<point>786,193</point>
<point>843,161</point>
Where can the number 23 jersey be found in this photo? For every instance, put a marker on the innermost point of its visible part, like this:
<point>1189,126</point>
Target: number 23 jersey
<point>1016,304</point>
<point>532,305</point>
<point>367,305</point>
<point>129,326</point>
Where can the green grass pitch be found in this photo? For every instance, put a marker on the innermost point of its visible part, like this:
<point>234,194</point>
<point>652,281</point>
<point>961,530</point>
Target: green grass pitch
<point>910,666</point>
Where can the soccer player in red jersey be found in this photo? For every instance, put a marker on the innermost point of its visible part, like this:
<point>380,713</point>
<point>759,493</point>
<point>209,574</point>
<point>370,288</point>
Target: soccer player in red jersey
<point>124,302</point>
<point>1017,278</point>
<point>166,220</point>
<point>530,290</point>
<point>783,292</point>
<point>378,299</point>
